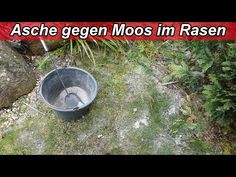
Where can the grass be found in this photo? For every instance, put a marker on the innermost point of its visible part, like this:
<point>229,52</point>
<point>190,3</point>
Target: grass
<point>200,147</point>
<point>108,115</point>
<point>7,144</point>
<point>154,104</point>
<point>109,127</point>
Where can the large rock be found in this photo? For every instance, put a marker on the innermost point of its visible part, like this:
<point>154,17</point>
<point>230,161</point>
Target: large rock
<point>16,76</point>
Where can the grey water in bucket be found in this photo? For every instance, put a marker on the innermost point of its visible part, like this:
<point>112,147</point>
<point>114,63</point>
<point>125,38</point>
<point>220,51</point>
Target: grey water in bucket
<point>78,82</point>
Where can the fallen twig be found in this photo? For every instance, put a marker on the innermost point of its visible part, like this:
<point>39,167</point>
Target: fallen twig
<point>34,109</point>
<point>167,41</point>
<point>169,83</point>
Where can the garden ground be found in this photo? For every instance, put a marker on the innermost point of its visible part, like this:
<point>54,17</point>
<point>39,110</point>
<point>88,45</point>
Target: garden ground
<point>135,112</point>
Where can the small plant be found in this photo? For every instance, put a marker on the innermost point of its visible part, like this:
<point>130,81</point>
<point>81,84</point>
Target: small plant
<point>220,93</point>
<point>211,71</point>
<point>43,64</point>
<point>190,79</point>
<point>86,47</point>
<point>148,48</point>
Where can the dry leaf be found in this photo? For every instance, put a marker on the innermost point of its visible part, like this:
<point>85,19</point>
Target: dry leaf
<point>191,119</point>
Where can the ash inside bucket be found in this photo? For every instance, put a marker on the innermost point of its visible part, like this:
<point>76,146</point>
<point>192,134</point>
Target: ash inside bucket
<point>81,93</point>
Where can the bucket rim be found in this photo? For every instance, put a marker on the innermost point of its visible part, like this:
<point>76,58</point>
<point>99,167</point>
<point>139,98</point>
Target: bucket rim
<point>69,109</point>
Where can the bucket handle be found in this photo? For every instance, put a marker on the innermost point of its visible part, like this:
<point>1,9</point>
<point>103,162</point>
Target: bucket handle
<point>46,50</point>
